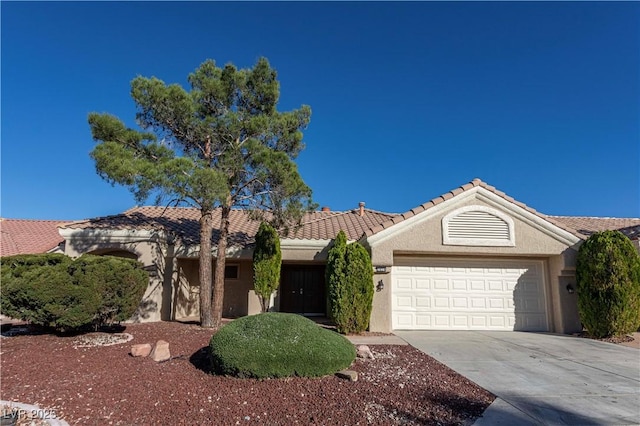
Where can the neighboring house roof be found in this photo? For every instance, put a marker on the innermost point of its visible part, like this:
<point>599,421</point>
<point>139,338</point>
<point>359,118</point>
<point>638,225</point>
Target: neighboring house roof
<point>24,236</point>
<point>184,222</point>
<point>459,190</point>
<point>588,225</point>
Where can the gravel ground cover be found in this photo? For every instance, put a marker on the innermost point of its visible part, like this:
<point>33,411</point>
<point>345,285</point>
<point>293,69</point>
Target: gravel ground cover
<point>101,384</point>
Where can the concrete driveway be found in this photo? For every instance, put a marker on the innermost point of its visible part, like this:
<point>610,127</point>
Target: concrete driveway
<point>542,378</point>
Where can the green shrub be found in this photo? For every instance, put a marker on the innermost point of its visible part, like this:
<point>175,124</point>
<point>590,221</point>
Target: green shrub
<point>335,277</point>
<point>120,283</point>
<point>267,260</point>
<point>359,278</point>
<point>349,280</point>
<point>276,344</point>
<point>15,266</point>
<point>46,296</point>
<point>54,291</point>
<point>608,284</point>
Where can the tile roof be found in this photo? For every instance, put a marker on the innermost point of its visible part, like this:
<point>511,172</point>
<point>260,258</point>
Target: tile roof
<point>459,190</point>
<point>588,225</point>
<point>324,225</point>
<point>184,222</point>
<point>24,236</point>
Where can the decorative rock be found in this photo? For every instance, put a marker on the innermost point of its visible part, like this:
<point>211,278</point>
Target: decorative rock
<point>363,351</point>
<point>143,349</point>
<point>160,351</point>
<point>350,375</point>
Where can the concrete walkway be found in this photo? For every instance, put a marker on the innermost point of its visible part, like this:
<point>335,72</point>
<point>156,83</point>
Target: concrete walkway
<point>542,378</point>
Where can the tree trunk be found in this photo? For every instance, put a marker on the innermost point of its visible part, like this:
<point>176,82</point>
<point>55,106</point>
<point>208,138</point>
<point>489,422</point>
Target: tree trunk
<point>205,268</point>
<point>221,258</point>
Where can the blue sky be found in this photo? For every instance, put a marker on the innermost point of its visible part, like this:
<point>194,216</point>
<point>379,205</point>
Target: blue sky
<point>409,100</point>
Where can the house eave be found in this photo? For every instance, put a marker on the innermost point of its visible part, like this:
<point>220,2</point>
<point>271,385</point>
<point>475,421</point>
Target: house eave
<point>488,197</point>
<point>109,235</point>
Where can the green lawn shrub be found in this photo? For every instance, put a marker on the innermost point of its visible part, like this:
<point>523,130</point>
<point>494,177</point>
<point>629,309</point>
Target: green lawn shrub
<point>274,344</point>
<point>64,294</point>
<point>608,284</point>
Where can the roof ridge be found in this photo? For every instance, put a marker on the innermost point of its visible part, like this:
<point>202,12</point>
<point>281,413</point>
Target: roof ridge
<point>475,182</point>
<point>2,219</point>
<point>331,215</point>
<point>596,217</point>
<point>380,212</point>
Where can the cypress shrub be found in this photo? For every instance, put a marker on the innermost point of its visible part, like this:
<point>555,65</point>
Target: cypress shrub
<point>359,276</point>
<point>335,279</point>
<point>608,284</point>
<point>267,260</point>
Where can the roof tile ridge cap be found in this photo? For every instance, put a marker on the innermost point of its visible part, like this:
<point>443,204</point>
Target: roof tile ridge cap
<point>598,217</point>
<point>81,221</point>
<point>4,219</point>
<point>524,206</point>
<point>332,215</point>
<point>381,212</point>
<point>432,202</point>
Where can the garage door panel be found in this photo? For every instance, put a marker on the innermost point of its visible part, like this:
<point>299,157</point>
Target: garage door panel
<point>494,285</point>
<point>404,302</point>
<point>439,284</point>
<point>423,302</point>
<point>403,283</point>
<point>460,302</point>
<point>477,285</point>
<point>422,284</point>
<point>469,294</point>
<point>423,320</point>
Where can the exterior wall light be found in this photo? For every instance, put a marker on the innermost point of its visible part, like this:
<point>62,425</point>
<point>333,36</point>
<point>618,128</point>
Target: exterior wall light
<point>380,286</point>
<point>570,289</point>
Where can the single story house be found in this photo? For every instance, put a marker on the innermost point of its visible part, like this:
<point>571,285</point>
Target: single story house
<point>471,259</point>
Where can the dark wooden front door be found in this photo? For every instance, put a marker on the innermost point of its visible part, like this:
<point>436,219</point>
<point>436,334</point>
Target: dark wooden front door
<point>302,289</point>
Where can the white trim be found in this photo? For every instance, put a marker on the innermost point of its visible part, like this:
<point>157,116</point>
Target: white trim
<point>116,235</point>
<point>484,242</point>
<point>489,197</point>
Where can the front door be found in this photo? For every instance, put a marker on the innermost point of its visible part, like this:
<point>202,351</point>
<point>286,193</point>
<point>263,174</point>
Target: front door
<point>302,289</point>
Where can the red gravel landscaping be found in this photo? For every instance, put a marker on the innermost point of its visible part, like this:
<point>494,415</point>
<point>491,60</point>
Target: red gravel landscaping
<point>104,385</point>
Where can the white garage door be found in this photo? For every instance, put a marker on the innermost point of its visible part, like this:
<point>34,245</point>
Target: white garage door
<point>468,294</point>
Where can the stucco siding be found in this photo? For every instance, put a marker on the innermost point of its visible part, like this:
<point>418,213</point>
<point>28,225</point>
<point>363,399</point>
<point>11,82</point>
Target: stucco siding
<point>187,290</point>
<point>381,312</point>
<point>425,236</point>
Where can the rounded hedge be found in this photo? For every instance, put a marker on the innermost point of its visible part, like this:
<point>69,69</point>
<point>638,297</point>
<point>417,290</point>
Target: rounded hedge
<point>275,344</point>
<point>608,284</point>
